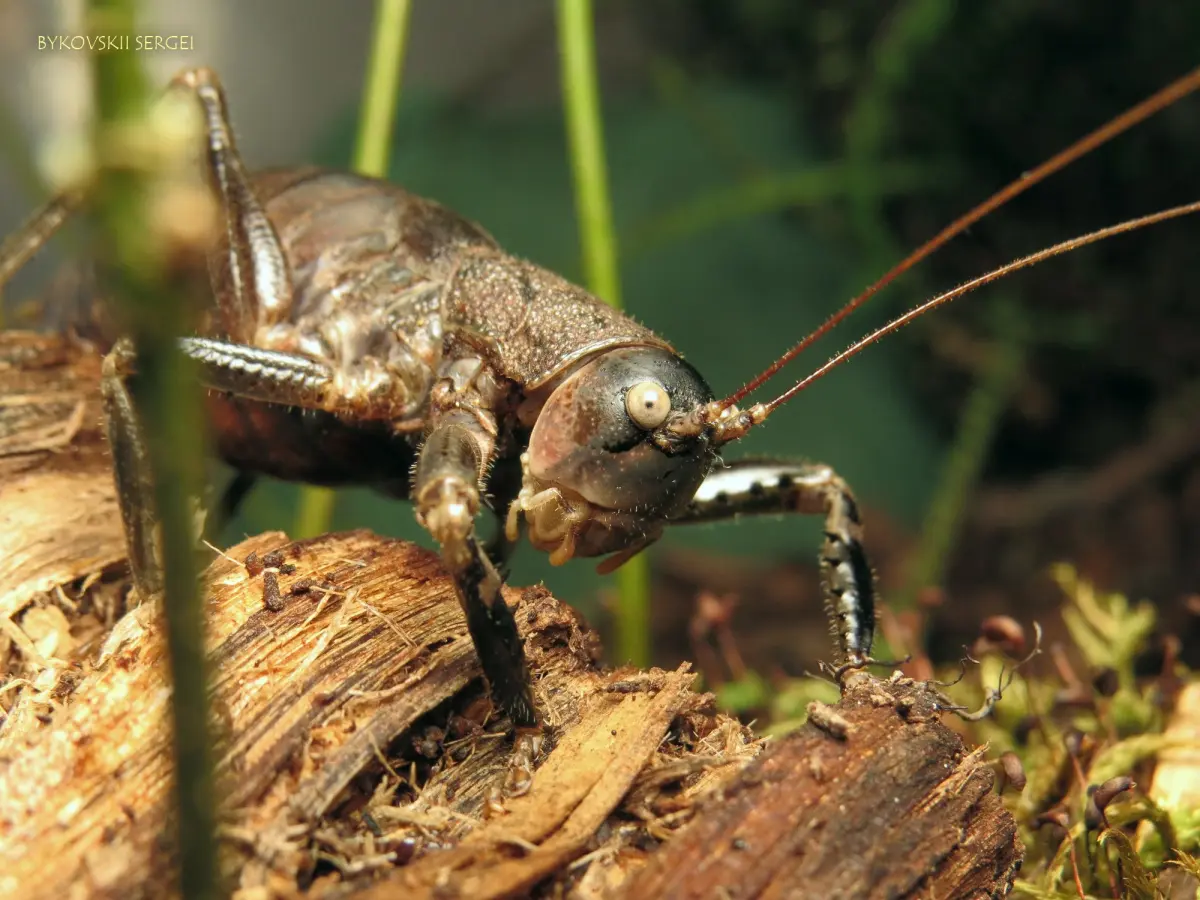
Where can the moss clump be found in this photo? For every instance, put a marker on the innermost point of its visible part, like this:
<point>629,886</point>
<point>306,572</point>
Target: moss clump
<point>1099,736</point>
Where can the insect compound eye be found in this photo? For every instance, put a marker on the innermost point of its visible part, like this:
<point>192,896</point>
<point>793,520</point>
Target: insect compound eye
<point>647,404</point>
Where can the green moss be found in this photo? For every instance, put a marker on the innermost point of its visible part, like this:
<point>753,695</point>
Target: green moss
<point>1071,738</point>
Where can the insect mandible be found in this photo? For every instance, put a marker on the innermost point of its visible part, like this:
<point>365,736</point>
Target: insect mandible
<point>362,335</point>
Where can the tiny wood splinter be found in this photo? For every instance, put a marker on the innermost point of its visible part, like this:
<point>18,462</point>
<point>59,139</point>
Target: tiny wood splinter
<point>363,335</point>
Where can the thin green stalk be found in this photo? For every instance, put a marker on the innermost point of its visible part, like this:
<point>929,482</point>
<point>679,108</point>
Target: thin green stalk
<point>168,404</point>
<point>315,513</point>
<point>381,90</point>
<point>381,94</point>
<point>581,100</point>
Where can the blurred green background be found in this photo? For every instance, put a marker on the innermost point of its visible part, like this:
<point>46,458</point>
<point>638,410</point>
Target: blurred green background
<point>767,160</point>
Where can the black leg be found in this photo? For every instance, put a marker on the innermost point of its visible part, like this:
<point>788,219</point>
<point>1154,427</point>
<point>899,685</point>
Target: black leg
<point>229,503</point>
<point>504,483</point>
<point>494,633</point>
<point>446,492</point>
<point>499,550</point>
<point>772,487</point>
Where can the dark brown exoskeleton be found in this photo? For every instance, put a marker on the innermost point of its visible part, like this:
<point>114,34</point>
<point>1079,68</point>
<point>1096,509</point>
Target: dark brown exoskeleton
<point>362,335</point>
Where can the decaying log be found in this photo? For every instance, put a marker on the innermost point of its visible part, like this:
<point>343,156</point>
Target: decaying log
<point>59,508</point>
<point>309,700</point>
<point>871,798</point>
<point>359,754</point>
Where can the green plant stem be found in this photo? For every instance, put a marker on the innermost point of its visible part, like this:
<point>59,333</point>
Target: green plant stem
<point>581,101</point>
<point>581,98</point>
<point>381,90</point>
<point>168,405</point>
<point>381,94</point>
<point>315,513</point>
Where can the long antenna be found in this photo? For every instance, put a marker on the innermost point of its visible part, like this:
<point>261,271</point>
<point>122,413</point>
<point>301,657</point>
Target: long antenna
<point>1123,122</point>
<point>1022,263</point>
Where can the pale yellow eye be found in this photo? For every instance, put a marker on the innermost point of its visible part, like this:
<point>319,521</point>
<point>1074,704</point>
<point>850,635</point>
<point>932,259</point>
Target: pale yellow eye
<point>647,404</point>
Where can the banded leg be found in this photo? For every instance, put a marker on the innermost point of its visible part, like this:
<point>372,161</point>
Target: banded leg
<point>446,492</point>
<point>771,487</point>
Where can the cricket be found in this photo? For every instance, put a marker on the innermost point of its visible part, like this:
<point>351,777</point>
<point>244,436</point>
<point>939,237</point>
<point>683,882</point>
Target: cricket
<point>360,335</point>
<point>425,348</point>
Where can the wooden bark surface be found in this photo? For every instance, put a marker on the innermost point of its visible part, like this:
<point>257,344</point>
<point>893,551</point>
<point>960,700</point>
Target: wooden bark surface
<point>883,801</point>
<point>357,756</point>
<point>52,457</point>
